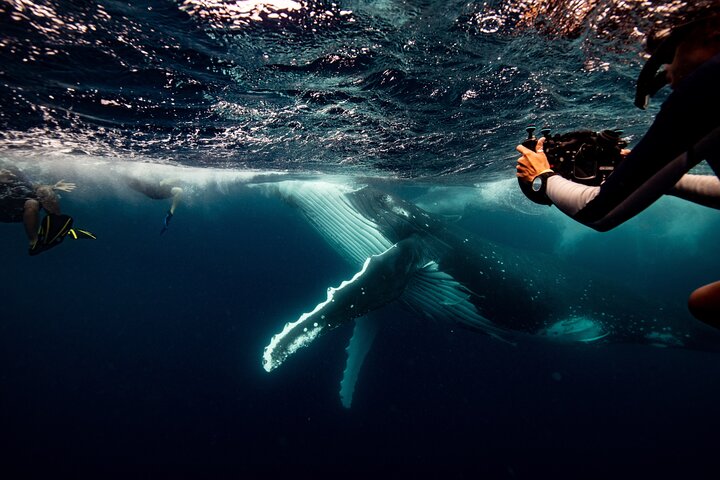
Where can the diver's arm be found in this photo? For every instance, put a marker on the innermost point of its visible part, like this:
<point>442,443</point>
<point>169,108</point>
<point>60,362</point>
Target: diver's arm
<point>701,189</point>
<point>611,204</point>
<point>572,198</point>
<point>603,208</point>
<point>64,186</point>
<point>569,197</point>
<point>48,198</point>
<point>606,207</point>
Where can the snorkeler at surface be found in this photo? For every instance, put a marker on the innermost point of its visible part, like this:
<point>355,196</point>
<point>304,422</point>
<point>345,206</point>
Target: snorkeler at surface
<point>685,132</point>
<point>21,201</point>
<point>165,188</point>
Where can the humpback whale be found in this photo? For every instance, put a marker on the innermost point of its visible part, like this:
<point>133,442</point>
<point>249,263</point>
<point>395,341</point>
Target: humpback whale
<point>439,271</point>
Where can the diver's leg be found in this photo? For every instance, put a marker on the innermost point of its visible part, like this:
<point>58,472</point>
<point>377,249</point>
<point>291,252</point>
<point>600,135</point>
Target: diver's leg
<point>176,195</point>
<point>704,304</point>
<point>31,219</point>
<point>49,199</point>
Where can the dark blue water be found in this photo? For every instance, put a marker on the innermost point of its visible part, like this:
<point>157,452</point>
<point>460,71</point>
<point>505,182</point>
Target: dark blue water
<point>140,354</point>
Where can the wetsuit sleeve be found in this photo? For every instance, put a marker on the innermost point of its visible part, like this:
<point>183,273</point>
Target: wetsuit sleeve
<point>573,198</point>
<point>656,163</point>
<point>700,189</point>
<point>569,197</point>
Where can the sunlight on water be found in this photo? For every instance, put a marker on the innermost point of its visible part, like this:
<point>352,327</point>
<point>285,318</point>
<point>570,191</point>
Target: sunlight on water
<point>235,16</point>
<point>413,90</point>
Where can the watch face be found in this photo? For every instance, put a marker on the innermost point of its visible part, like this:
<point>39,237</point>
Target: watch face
<point>537,184</point>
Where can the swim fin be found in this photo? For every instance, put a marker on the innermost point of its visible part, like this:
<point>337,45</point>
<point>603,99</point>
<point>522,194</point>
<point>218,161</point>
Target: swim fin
<point>78,234</point>
<point>166,222</point>
<point>53,230</point>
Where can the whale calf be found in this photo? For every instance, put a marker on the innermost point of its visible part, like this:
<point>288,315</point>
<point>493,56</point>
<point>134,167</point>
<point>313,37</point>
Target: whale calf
<point>442,272</point>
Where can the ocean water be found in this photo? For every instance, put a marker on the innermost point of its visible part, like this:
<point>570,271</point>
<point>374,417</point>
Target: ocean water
<point>140,354</point>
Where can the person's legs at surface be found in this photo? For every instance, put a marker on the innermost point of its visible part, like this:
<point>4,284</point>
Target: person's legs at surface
<point>49,199</point>
<point>176,195</point>
<point>31,219</point>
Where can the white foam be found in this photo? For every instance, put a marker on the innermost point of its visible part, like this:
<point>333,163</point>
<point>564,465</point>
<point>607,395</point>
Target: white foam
<point>103,175</point>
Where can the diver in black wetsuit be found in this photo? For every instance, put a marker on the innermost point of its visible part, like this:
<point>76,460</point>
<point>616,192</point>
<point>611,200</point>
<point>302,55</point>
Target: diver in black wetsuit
<point>685,132</point>
<point>21,201</point>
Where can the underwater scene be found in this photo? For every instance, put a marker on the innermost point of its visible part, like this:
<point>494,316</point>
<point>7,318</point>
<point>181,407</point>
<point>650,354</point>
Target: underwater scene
<point>292,241</point>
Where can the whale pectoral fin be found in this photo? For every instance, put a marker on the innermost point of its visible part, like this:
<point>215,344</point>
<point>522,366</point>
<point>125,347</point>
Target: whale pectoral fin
<point>381,280</point>
<point>358,347</point>
<point>436,294</point>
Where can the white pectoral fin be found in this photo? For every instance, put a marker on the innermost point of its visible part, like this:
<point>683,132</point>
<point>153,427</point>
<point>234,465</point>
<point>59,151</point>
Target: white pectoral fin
<point>358,347</point>
<point>381,280</point>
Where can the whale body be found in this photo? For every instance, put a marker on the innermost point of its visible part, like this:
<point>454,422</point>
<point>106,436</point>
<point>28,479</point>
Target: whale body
<point>442,272</point>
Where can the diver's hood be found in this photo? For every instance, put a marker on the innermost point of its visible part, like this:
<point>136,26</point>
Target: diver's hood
<point>663,45</point>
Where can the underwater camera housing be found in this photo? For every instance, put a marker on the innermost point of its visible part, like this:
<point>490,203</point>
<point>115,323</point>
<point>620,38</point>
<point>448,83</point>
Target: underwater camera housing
<point>582,156</point>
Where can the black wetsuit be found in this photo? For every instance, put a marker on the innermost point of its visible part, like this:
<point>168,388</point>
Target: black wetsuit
<point>658,161</point>
<point>14,192</point>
